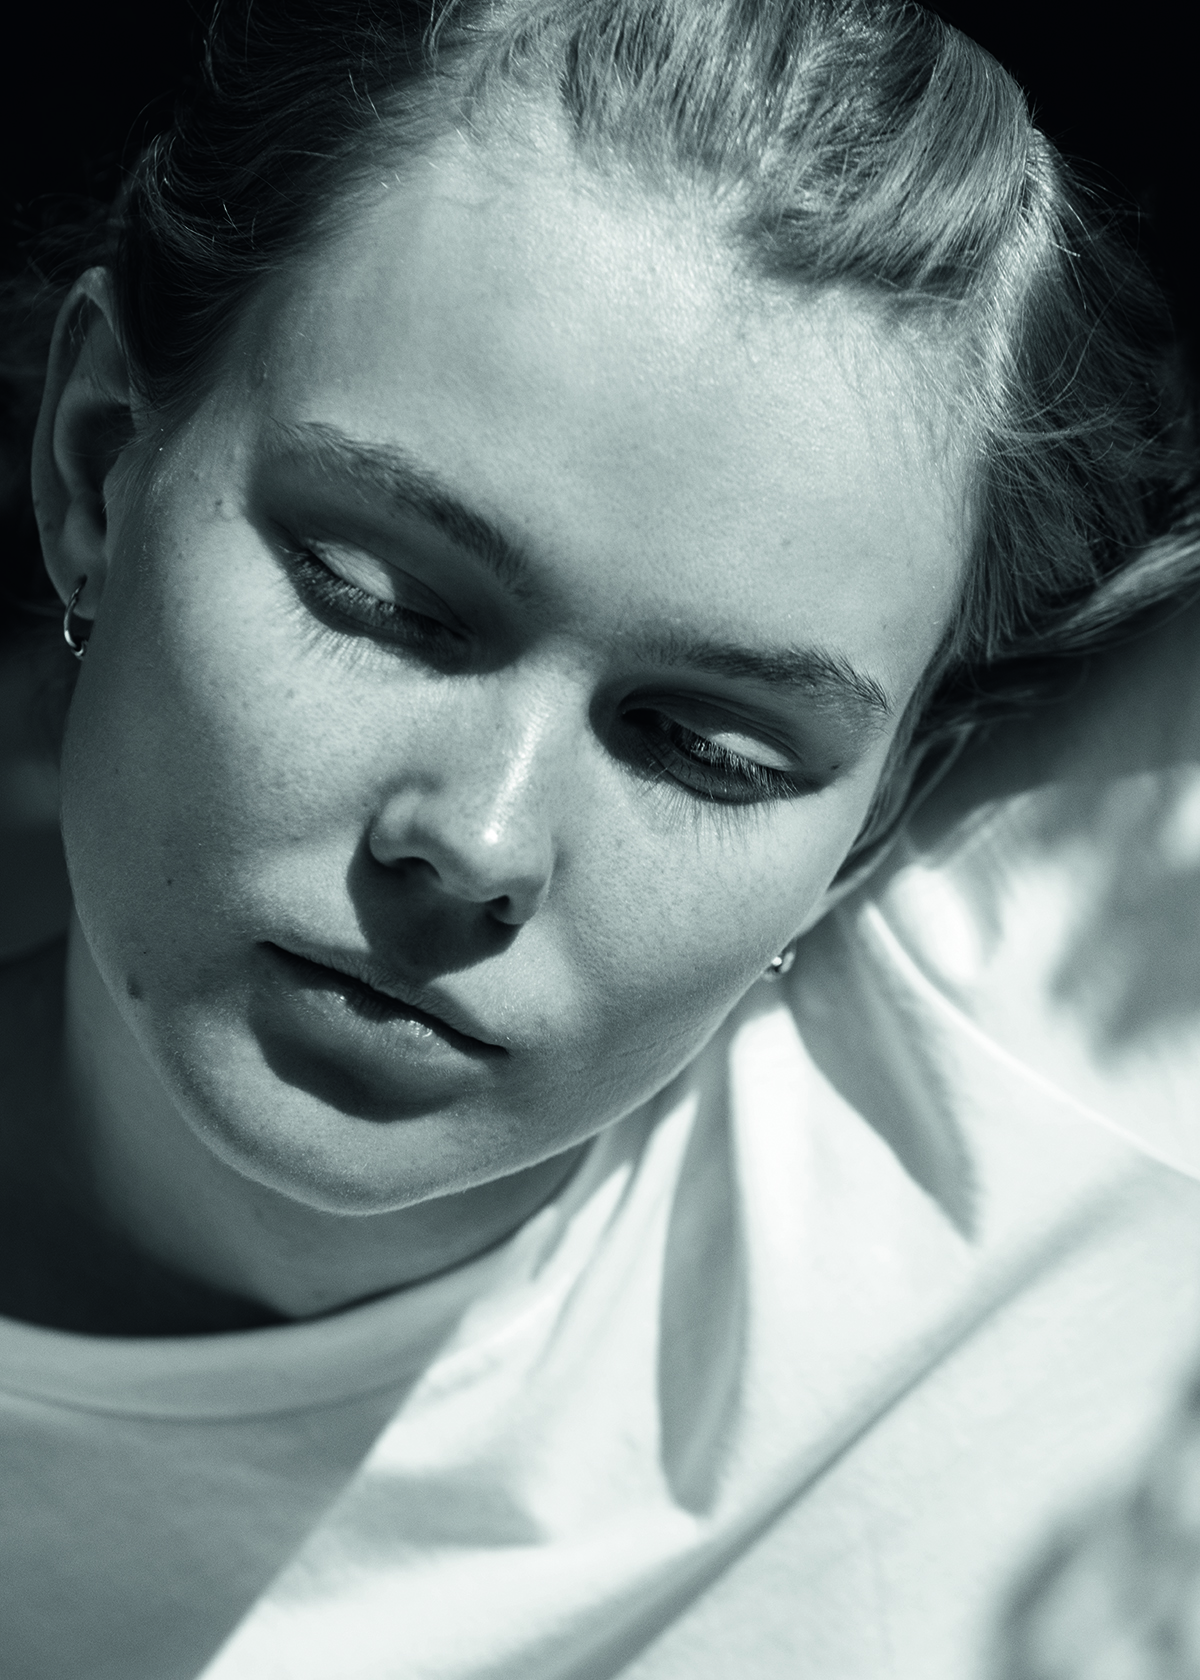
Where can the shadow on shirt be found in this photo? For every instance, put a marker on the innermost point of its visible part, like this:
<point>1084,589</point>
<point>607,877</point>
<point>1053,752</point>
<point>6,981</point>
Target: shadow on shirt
<point>1113,775</point>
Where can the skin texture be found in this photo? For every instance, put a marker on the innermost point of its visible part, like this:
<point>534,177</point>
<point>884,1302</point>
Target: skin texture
<point>495,813</point>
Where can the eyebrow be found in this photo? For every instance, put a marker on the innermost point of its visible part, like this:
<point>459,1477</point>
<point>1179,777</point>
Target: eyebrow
<point>389,470</point>
<point>825,678</point>
<point>821,676</point>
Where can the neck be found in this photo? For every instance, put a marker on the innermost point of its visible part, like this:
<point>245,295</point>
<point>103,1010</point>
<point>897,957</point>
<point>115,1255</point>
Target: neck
<point>168,1196</point>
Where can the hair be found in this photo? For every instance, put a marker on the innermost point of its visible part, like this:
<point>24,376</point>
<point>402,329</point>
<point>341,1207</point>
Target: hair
<point>861,145</point>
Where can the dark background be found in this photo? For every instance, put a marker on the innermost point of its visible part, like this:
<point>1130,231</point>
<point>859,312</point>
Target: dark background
<point>81,86</point>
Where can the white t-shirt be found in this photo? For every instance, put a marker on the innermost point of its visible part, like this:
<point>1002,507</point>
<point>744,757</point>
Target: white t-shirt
<point>791,1379</point>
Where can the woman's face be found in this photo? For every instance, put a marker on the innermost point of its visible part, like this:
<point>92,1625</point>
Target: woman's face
<point>521,625</point>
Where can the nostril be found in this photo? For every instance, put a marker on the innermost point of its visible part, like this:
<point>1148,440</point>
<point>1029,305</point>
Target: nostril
<point>458,847</point>
<point>508,884</point>
<point>514,909</point>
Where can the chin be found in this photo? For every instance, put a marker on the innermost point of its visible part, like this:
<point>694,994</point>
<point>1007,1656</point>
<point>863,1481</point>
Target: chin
<point>294,1145</point>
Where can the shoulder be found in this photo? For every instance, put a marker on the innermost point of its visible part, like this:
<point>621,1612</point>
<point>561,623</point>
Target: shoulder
<point>34,895</point>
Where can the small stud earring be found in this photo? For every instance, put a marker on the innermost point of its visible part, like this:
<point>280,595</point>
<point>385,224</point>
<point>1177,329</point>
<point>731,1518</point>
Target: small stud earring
<point>77,648</point>
<point>782,964</point>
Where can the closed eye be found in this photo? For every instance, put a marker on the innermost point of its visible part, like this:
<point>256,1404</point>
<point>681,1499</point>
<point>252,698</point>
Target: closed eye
<point>711,765</point>
<point>356,593</point>
<point>710,756</point>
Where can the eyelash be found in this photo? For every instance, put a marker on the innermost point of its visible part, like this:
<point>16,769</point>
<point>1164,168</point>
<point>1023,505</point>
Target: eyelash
<point>753,783</point>
<point>354,609</point>
<point>668,747</point>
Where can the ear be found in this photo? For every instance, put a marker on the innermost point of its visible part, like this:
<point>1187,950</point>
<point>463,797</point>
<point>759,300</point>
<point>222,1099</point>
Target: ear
<point>85,422</point>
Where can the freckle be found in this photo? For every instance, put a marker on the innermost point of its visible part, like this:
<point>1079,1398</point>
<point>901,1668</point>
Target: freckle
<point>134,987</point>
<point>170,881</point>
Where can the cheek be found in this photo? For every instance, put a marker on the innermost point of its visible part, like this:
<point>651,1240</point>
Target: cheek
<point>679,923</point>
<point>189,746</point>
<point>666,946</point>
<point>221,760</point>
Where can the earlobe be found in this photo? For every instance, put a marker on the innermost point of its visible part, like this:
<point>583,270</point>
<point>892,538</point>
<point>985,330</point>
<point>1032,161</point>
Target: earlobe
<point>85,422</point>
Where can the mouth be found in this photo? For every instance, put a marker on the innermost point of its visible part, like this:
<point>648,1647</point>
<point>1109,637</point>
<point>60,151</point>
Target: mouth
<point>380,997</point>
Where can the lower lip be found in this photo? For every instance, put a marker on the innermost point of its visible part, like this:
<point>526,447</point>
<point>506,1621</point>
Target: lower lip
<point>380,1042</point>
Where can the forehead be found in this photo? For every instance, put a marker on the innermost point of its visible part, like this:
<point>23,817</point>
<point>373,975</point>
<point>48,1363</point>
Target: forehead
<point>587,365</point>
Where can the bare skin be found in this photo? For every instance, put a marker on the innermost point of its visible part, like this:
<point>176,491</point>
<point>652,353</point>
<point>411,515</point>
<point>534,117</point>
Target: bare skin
<point>520,626</point>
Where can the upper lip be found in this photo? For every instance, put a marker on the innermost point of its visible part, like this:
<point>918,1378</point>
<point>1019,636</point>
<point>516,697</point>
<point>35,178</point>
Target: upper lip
<point>429,1001</point>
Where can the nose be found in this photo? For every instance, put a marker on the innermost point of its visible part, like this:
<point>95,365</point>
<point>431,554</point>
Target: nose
<point>477,825</point>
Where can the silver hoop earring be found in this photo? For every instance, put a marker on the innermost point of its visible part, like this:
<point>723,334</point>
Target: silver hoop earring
<point>77,648</point>
<point>782,964</point>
